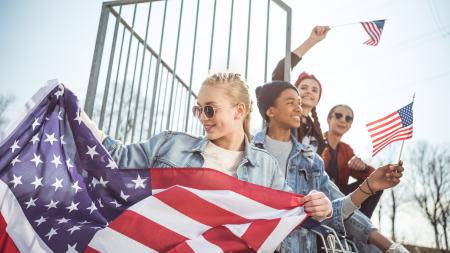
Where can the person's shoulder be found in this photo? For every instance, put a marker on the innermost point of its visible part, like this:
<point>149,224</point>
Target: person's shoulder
<point>173,137</point>
<point>261,155</point>
<point>182,135</point>
<point>346,148</point>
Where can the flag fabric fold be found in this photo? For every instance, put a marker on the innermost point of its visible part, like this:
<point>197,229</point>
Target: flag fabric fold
<point>374,30</point>
<point>396,126</point>
<point>62,192</point>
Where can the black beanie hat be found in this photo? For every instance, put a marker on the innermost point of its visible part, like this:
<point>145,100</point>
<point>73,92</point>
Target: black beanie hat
<point>268,93</point>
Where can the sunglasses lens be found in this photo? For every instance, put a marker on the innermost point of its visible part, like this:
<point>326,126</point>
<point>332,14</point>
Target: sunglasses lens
<point>348,119</point>
<point>209,111</point>
<point>338,115</point>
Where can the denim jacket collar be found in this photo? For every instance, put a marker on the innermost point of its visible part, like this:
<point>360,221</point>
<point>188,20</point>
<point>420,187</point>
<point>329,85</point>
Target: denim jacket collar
<point>248,154</point>
<point>260,139</point>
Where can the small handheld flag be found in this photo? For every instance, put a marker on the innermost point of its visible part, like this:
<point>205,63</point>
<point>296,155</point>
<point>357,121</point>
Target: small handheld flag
<point>374,30</point>
<point>396,126</point>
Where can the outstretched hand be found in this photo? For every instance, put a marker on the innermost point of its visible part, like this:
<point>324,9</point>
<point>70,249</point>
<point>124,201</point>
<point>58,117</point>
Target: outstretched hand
<point>319,33</point>
<point>386,176</point>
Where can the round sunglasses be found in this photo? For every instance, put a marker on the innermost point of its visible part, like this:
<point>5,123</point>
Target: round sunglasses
<point>339,115</point>
<point>208,110</point>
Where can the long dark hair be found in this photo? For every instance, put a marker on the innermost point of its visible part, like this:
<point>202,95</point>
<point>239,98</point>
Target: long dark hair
<point>312,128</point>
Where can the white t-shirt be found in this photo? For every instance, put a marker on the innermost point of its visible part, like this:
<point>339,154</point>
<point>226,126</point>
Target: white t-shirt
<point>221,159</point>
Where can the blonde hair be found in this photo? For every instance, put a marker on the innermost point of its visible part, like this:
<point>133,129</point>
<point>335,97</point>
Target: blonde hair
<point>237,90</point>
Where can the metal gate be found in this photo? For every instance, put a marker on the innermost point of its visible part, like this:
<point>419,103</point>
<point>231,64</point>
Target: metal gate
<point>151,55</point>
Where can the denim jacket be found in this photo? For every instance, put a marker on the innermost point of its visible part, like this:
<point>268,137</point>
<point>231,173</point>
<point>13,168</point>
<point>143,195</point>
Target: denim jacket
<point>305,172</point>
<point>175,149</point>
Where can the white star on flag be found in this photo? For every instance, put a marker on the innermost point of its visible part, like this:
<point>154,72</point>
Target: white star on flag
<point>92,207</point>
<point>50,138</point>
<point>52,204</point>
<point>62,140</point>
<point>77,118</point>
<point>35,123</point>
<point>37,159</point>
<point>16,181</point>
<point>40,220</point>
<point>59,93</point>
<point>102,182</point>
<point>116,203</point>
<point>51,233</point>
<point>139,182</point>
<point>76,187</point>
<point>31,202</point>
<point>56,160</point>
<point>73,206</point>
<point>99,201</point>
<point>73,229</point>
<point>69,165</point>
<point>14,146</point>
<point>94,182</point>
<point>123,196</point>
<point>111,164</point>
<point>91,151</point>
<point>35,138</point>
<point>62,220</point>
<point>15,160</point>
<point>72,248</point>
<point>57,184</point>
<point>37,182</point>
<point>59,115</point>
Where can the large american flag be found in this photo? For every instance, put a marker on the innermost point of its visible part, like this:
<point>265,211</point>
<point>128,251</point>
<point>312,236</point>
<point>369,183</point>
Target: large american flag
<point>60,191</point>
<point>374,30</point>
<point>393,127</point>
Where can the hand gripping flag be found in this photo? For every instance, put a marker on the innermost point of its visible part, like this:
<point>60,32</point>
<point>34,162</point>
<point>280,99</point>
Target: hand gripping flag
<point>374,30</point>
<point>396,126</point>
<point>60,191</point>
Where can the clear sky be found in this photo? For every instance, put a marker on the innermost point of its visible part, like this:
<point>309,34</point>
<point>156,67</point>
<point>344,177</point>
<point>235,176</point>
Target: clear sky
<point>42,40</point>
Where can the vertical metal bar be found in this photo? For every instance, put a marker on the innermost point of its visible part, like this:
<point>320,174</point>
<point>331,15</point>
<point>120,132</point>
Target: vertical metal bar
<point>131,93</point>
<point>175,62</point>
<point>267,40</point>
<point>212,36</point>
<point>164,102</point>
<point>117,78</point>
<point>248,36</point>
<point>177,86</point>
<point>180,113</point>
<point>125,74</point>
<point>287,57</point>
<point>140,74</point>
<point>146,95</point>
<point>159,99</point>
<point>96,61</point>
<point>230,34</point>
<point>157,69</point>
<point>108,76</point>
<point>192,66</point>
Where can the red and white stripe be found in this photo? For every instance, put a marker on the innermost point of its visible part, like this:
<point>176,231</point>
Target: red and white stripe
<point>16,233</point>
<point>202,210</point>
<point>387,130</point>
<point>373,31</point>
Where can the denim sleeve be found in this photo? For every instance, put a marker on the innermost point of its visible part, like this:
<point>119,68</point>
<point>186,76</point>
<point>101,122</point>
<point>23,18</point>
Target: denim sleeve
<point>358,227</point>
<point>136,155</point>
<point>336,197</point>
